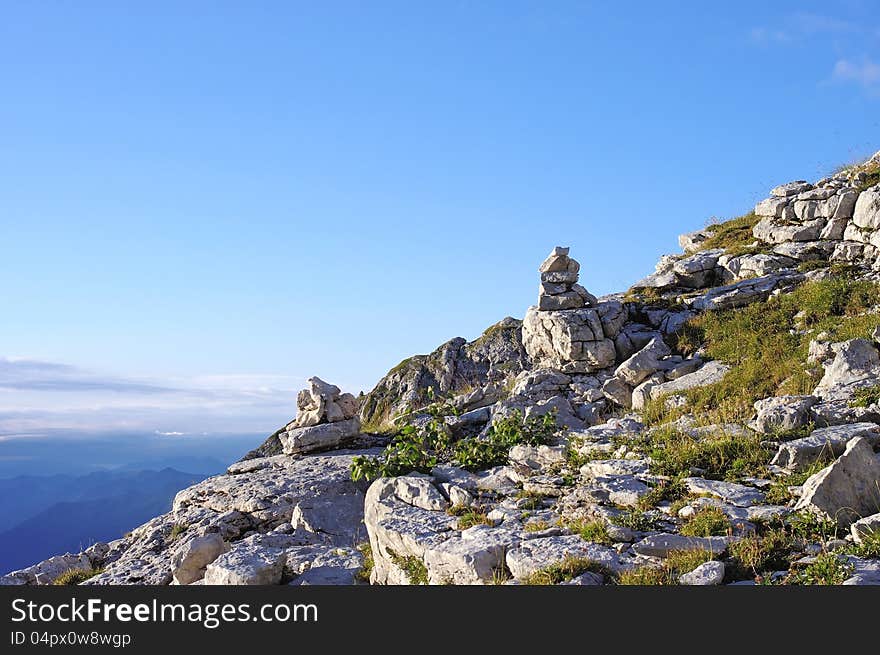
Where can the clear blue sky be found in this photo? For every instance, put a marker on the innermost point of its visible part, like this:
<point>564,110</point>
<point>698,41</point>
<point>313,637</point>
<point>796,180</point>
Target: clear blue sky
<point>236,196</point>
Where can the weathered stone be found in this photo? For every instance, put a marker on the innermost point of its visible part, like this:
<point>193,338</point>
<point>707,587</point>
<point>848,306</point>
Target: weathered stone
<point>698,270</point>
<point>771,207</point>
<point>706,574</point>
<point>618,392</point>
<point>847,489</point>
<point>799,454</point>
<point>783,413</point>
<point>533,555</point>
<point>735,494</point>
<point>189,562</point>
<point>660,545</point>
<point>806,251</point>
<point>856,363</point>
<point>319,437</point>
<point>692,241</point>
<point>257,560</point>
<point>790,189</point>
<point>740,294</point>
<point>571,340</point>
<point>644,363</point>
<point>710,373</point>
<point>868,526</point>
<point>866,213</point>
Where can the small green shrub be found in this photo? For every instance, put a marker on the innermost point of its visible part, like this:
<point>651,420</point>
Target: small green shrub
<point>811,527</point>
<point>468,517</point>
<point>176,530</point>
<point>755,555</point>
<point>363,575</point>
<point>568,569</point>
<point>412,566</point>
<point>76,576</point>
<point>532,499</point>
<point>870,546</point>
<point>827,569</point>
<point>595,531</point>
<point>667,573</point>
<point>536,526</point>
<point>663,491</point>
<point>635,519</point>
<point>866,396</point>
<point>706,522</point>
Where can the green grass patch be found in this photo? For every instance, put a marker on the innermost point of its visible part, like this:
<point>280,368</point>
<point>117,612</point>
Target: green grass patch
<point>594,531</point>
<point>720,455</point>
<point>734,236</point>
<point>664,491</point>
<point>412,567</point>
<point>667,573</point>
<point>706,522</point>
<point>866,396</point>
<point>176,530</point>
<point>363,574</point>
<point>827,569</point>
<point>756,555</point>
<point>468,517</point>
<point>566,570</point>
<point>536,526</point>
<point>766,344</point>
<point>76,576</point>
<point>635,519</point>
<point>870,546</point>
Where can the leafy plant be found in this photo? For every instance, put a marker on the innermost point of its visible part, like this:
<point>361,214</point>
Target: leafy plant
<point>827,569</point>
<point>412,566</point>
<point>869,547</point>
<point>866,396</point>
<point>755,555</point>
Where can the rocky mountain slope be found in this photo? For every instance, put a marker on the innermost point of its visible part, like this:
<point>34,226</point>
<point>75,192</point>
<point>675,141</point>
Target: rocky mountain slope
<point>715,424</point>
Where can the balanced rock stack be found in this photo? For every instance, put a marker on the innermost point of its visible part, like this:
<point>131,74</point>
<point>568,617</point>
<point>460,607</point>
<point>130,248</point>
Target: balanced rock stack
<point>559,287</point>
<point>326,419</point>
<point>569,330</point>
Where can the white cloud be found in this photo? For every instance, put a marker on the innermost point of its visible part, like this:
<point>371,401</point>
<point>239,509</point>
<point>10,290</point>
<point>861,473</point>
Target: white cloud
<point>39,395</point>
<point>865,72</point>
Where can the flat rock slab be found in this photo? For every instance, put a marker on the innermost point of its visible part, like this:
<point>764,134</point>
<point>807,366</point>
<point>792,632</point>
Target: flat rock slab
<point>735,494</point>
<point>848,489</point>
<point>319,437</point>
<point>660,545</point>
<point>601,468</point>
<point>536,554</point>
<point>799,454</point>
<point>705,575</point>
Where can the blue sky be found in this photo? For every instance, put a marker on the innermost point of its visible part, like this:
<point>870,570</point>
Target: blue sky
<point>204,203</point>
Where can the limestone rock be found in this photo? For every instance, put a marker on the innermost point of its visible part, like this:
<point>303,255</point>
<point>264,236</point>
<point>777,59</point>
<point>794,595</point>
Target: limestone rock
<point>799,454</point>
<point>660,545</point>
<point>847,489</point>
<point>319,437</point>
<point>783,413</point>
<point>189,562</point>
<point>532,555</point>
<point>644,363</point>
<point>706,574</point>
<point>866,213</point>
<point>870,525</point>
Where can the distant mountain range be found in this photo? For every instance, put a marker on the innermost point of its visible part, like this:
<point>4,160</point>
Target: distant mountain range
<point>41,516</point>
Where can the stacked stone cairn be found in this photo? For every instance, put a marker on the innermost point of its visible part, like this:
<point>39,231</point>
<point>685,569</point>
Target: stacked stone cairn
<point>327,418</point>
<point>559,287</point>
